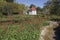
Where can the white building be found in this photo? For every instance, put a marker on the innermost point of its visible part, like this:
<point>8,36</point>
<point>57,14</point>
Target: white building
<point>32,11</point>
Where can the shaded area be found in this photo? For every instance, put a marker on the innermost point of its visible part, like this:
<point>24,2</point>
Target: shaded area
<point>57,33</point>
<point>57,29</point>
<point>56,19</point>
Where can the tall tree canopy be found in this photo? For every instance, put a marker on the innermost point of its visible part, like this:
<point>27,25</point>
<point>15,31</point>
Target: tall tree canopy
<point>32,5</point>
<point>10,0</point>
<point>10,7</point>
<point>39,10</point>
<point>53,6</point>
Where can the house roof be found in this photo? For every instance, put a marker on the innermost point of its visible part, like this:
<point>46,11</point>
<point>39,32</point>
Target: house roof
<point>33,8</point>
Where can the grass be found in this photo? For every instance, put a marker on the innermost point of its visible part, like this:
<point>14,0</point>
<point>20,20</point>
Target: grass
<point>45,23</point>
<point>19,32</point>
<point>28,28</point>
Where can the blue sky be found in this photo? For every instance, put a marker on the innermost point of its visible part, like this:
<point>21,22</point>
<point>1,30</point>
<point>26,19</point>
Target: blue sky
<point>39,3</point>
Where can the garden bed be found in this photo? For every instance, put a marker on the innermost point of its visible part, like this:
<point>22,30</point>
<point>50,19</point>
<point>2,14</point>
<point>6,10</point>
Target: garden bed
<point>24,28</point>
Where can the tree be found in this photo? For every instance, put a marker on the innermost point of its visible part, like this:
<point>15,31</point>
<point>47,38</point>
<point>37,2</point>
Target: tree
<point>10,7</point>
<point>53,6</point>
<point>32,5</point>
<point>39,10</point>
<point>1,0</point>
<point>10,0</point>
<point>2,4</point>
<point>7,9</point>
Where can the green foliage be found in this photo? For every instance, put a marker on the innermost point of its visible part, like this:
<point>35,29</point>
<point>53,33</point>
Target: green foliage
<point>53,6</point>
<point>10,0</point>
<point>39,10</point>
<point>2,4</point>
<point>27,29</point>
<point>1,14</point>
<point>10,8</point>
<point>24,31</point>
<point>2,0</point>
<point>21,7</point>
<point>44,23</point>
<point>16,32</point>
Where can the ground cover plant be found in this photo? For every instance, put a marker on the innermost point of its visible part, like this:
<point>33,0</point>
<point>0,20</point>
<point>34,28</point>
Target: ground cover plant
<point>27,28</point>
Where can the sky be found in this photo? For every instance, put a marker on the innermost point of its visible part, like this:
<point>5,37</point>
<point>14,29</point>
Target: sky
<point>38,3</point>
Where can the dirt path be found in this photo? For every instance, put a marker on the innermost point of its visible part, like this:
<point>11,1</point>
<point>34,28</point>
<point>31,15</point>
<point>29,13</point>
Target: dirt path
<point>48,30</point>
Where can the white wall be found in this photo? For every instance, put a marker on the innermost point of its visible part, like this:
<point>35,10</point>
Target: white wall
<point>33,12</point>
